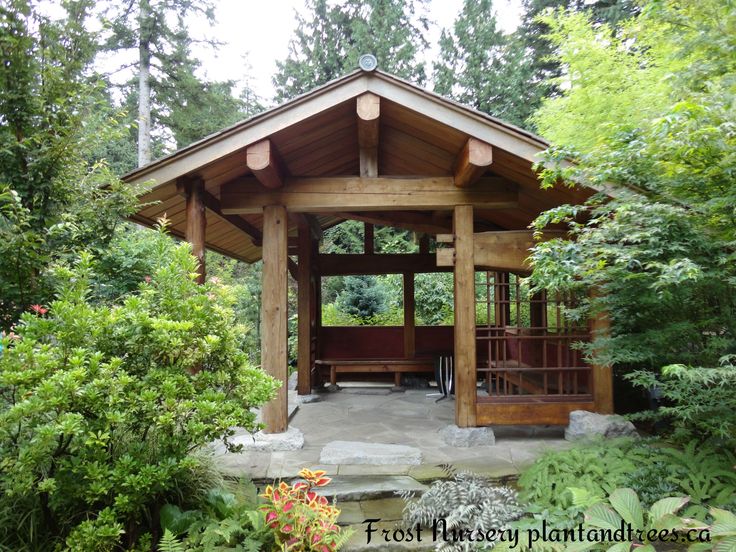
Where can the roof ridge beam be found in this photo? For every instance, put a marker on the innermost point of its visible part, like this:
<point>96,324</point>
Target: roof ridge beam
<point>472,161</point>
<point>368,111</point>
<point>263,160</point>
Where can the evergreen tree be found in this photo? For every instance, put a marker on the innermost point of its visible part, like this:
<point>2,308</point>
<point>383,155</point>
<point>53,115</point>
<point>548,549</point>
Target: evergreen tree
<point>330,40</point>
<point>482,67</point>
<point>362,297</point>
<point>508,75</point>
<point>171,103</point>
<point>53,200</point>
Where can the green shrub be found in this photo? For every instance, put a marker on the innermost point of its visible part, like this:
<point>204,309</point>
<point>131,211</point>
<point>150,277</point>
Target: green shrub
<point>103,406</point>
<point>226,519</point>
<point>698,402</point>
<point>653,471</point>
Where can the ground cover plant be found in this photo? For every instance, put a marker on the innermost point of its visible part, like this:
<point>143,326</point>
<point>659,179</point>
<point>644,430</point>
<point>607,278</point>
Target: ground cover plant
<point>103,406</point>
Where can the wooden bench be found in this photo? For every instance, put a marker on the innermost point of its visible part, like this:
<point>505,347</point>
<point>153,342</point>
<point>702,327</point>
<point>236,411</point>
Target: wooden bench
<point>381,365</point>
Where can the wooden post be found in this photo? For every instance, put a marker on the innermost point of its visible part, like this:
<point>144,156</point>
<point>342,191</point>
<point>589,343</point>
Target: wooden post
<point>196,223</point>
<point>304,308</point>
<point>274,314</point>
<point>465,359</point>
<point>602,374</point>
<point>502,291</point>
<point>369,243</point>
<point>409,324</point>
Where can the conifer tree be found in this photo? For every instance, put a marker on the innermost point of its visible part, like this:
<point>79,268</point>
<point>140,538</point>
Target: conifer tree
<point>332,37</point>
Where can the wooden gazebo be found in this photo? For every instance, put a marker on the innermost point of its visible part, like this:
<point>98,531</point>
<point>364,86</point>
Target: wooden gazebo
<point>373,148</point>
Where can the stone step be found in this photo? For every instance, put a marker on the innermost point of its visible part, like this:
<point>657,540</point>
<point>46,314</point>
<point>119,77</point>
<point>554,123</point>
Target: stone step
<point>370,487</point>
<point>358,452</point>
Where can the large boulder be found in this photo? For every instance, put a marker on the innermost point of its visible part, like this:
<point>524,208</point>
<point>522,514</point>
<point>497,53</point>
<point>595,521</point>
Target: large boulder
<point>291,439</point>
<point>585,425</point>
<point>465,437</point>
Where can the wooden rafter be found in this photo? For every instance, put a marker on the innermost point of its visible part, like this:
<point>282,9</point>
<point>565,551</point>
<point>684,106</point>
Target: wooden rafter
<point>409,220</point>
<point>379,263</point>
<point>472,162</point>
<point>213,204</point>
<point>340,194</point>
<point>264,162</point>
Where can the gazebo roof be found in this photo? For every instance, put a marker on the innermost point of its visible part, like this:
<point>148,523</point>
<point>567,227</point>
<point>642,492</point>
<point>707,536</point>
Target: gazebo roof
<point>420,134</point>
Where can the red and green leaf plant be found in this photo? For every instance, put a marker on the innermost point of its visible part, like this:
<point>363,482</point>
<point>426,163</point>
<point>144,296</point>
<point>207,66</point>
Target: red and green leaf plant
<point>303,520</point>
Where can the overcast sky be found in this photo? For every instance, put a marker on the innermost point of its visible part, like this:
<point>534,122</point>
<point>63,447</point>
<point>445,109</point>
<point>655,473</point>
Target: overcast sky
<point>262,30</point>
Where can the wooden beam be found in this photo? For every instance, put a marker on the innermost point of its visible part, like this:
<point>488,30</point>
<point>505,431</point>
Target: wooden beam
<point>409,317</point>
<point>213,204</point>
<point>472,162</point>
<point>502,251</point>
<point>381,263</point>
<point>409,220</point>
<point>264,162</point>
<point>304,309</point>
<point>339,194</point>
<point>314,226</point>
<point>274,358</point>
<point>369,239</point>
<point>196,225</point>
<point>368,109</point>
<point>292,267</point>
<point>465,359</point>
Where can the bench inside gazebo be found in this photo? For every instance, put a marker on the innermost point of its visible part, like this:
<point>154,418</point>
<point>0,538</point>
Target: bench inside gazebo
<point>372,148</point>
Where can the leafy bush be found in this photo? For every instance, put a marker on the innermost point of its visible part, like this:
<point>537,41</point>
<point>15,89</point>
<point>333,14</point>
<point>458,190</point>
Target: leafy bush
<point>103,406</point>
<point>697,401</point>
<point>225,520</point>
<point>302,520</point>
<point>467,501</point>
<point>653,471</point>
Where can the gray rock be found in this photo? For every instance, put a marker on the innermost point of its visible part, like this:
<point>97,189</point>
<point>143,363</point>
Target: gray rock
<point>333,388</point>
<point>291,439</point>
<point>356,452</point>
<point>307,399</point>
<point>291,383</point>
<point>467,436</point>
<point>584,425</point>
<point>370,487</point>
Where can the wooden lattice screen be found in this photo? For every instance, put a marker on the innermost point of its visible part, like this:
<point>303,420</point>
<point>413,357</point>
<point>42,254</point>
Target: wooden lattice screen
<point>526,343</point>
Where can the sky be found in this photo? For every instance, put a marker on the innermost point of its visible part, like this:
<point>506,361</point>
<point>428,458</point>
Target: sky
<point>262,30</point>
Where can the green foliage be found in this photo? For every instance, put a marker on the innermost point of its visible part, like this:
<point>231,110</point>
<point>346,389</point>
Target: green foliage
<point>362,297</point>
<point>560,485</point>
<point>224,520</point>
<point>103,406</point>
<point>434,297</point>
<point>53,200</point>
<point>697,401</point>
<point>624,507</point>
<point>332,37</point>
<point>648,114</point>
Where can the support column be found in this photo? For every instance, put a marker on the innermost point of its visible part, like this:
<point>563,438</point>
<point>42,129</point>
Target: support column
<point>465,357</point>
<point>409,322</point>
<point>196,223</point>
<point>600,327</point>
<point>304,309</point>
<point>274,314</point>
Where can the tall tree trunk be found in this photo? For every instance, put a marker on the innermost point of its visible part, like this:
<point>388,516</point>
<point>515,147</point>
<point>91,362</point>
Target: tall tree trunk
<point>145,25</point>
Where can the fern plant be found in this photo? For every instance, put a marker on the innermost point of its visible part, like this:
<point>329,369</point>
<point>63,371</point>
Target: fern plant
<point>170,543</point>
<point>468,502</point>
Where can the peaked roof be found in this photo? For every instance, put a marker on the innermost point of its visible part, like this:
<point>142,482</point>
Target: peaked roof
<point>315,134</point>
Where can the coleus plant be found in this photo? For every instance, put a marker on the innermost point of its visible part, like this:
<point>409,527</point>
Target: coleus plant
<point>302,519</point>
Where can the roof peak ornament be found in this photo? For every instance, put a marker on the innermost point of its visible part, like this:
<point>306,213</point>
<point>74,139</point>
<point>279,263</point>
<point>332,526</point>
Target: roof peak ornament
<point>368,62</point>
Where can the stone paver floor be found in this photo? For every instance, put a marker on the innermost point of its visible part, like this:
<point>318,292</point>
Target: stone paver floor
<point>377,415</point>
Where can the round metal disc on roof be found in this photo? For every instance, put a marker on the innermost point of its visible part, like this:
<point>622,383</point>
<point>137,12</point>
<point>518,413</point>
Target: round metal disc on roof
<point>368,62</point>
